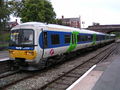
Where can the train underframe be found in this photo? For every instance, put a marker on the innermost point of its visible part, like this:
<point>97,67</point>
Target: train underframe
<point>20,63</point>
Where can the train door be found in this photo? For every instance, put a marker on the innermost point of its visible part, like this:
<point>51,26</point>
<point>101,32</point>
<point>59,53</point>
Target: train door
<point>44,41</point>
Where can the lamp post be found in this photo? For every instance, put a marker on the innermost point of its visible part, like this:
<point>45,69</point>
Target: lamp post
<point>83,23</point>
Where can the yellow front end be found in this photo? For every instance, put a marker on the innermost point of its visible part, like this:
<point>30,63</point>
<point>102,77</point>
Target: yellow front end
<point>26,54</point>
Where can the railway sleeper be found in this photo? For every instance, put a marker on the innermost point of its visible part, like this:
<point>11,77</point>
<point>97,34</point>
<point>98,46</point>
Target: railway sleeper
<point>62,83</point>
<point>70,81</point>
<point>52,88</point>
<point>76,73</point>
<point>71,76</point>
<point>56,86</point>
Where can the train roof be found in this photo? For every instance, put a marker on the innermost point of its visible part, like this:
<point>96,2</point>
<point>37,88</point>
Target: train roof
<point>57,27</point>
<point>112,35</point>
<point>69,29</point>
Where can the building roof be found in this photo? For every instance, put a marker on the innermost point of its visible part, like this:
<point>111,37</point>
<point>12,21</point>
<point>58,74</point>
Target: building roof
<point>70,19</point>
<point>11,24</point>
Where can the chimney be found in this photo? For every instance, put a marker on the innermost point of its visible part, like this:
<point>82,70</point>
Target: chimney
<point>62,17</point>
<point>16,20</point>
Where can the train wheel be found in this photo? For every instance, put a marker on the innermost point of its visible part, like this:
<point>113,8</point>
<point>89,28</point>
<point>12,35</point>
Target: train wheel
<point>49,62</point>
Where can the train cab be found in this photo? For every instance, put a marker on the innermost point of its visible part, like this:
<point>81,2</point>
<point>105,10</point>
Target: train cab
<point>24,45</point>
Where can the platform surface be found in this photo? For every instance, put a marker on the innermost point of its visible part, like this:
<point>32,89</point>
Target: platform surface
<point>4,55</point>
<point>105,76</point>
<point>110,79</point>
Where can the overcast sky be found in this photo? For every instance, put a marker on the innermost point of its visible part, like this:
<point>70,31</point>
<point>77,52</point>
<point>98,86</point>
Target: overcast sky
<point>100,11</point>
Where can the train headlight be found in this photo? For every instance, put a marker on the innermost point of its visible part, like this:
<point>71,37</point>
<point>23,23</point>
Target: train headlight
<point>11,52</point>
<point>30,52</point>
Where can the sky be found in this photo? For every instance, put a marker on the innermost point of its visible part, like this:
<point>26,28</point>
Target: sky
<point>98,11</point>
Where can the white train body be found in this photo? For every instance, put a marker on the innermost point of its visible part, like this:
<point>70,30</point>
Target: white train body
<point>35,42</point>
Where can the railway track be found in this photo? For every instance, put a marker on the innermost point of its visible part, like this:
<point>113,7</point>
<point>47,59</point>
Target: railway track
<point>64,81</point>
<point>20,77</point>
<point>63,78</point>
<point>5,66</point>
<point>9,73</point>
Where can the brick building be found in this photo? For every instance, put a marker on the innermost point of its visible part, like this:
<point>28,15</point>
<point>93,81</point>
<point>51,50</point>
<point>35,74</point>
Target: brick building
<point>10,25</point>
<point>72,22</point>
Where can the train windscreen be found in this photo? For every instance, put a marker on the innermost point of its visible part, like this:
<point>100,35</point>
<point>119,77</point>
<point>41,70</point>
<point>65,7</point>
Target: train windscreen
<point>22,37</point>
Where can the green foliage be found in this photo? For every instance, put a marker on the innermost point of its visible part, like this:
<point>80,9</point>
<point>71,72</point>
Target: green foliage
<point>5,37</point>
<point>58,21</point>
<point>15,7</point>
<point>4,14</point>
<point>34,10</point>
<point>117,34</point>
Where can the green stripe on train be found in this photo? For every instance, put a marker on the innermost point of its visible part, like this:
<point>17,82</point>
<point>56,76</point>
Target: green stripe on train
<point>73,41</point>
<point>94,39</point>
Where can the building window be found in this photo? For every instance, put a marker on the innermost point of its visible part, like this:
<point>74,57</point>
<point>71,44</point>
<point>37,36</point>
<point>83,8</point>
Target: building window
<point>55,39</point>
<point>67,39</point>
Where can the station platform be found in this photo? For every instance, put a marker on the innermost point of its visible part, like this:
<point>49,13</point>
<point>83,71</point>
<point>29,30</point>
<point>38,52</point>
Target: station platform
<point>4,55</point>
<point>4,59</point>
<point>104,76</point>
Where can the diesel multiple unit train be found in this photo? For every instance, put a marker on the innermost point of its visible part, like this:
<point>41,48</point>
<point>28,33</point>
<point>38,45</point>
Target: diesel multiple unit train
<point>34,44</point>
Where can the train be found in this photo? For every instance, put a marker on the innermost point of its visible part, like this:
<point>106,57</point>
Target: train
<point>34,45</point>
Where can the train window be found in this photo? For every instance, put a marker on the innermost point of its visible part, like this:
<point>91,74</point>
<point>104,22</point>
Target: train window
<point>55,39</point>
<point>89,38</point>
<point>79,38</point>
<point>97,38</point>
<point>105,37</point>
<point>67,39</point>
<point>22,37</point>
<point>72,38</point>
<point>45,39</point>
<point>102,37</point>
<point>84,38</point>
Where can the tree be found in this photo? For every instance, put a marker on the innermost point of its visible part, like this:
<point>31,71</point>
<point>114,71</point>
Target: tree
<point>4,14</point>
<point>58,21</point>
<point>34,10</point>
<point>16,7</point>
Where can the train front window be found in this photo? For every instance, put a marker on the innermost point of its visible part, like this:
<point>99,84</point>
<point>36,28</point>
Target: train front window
<point>22,37</point>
